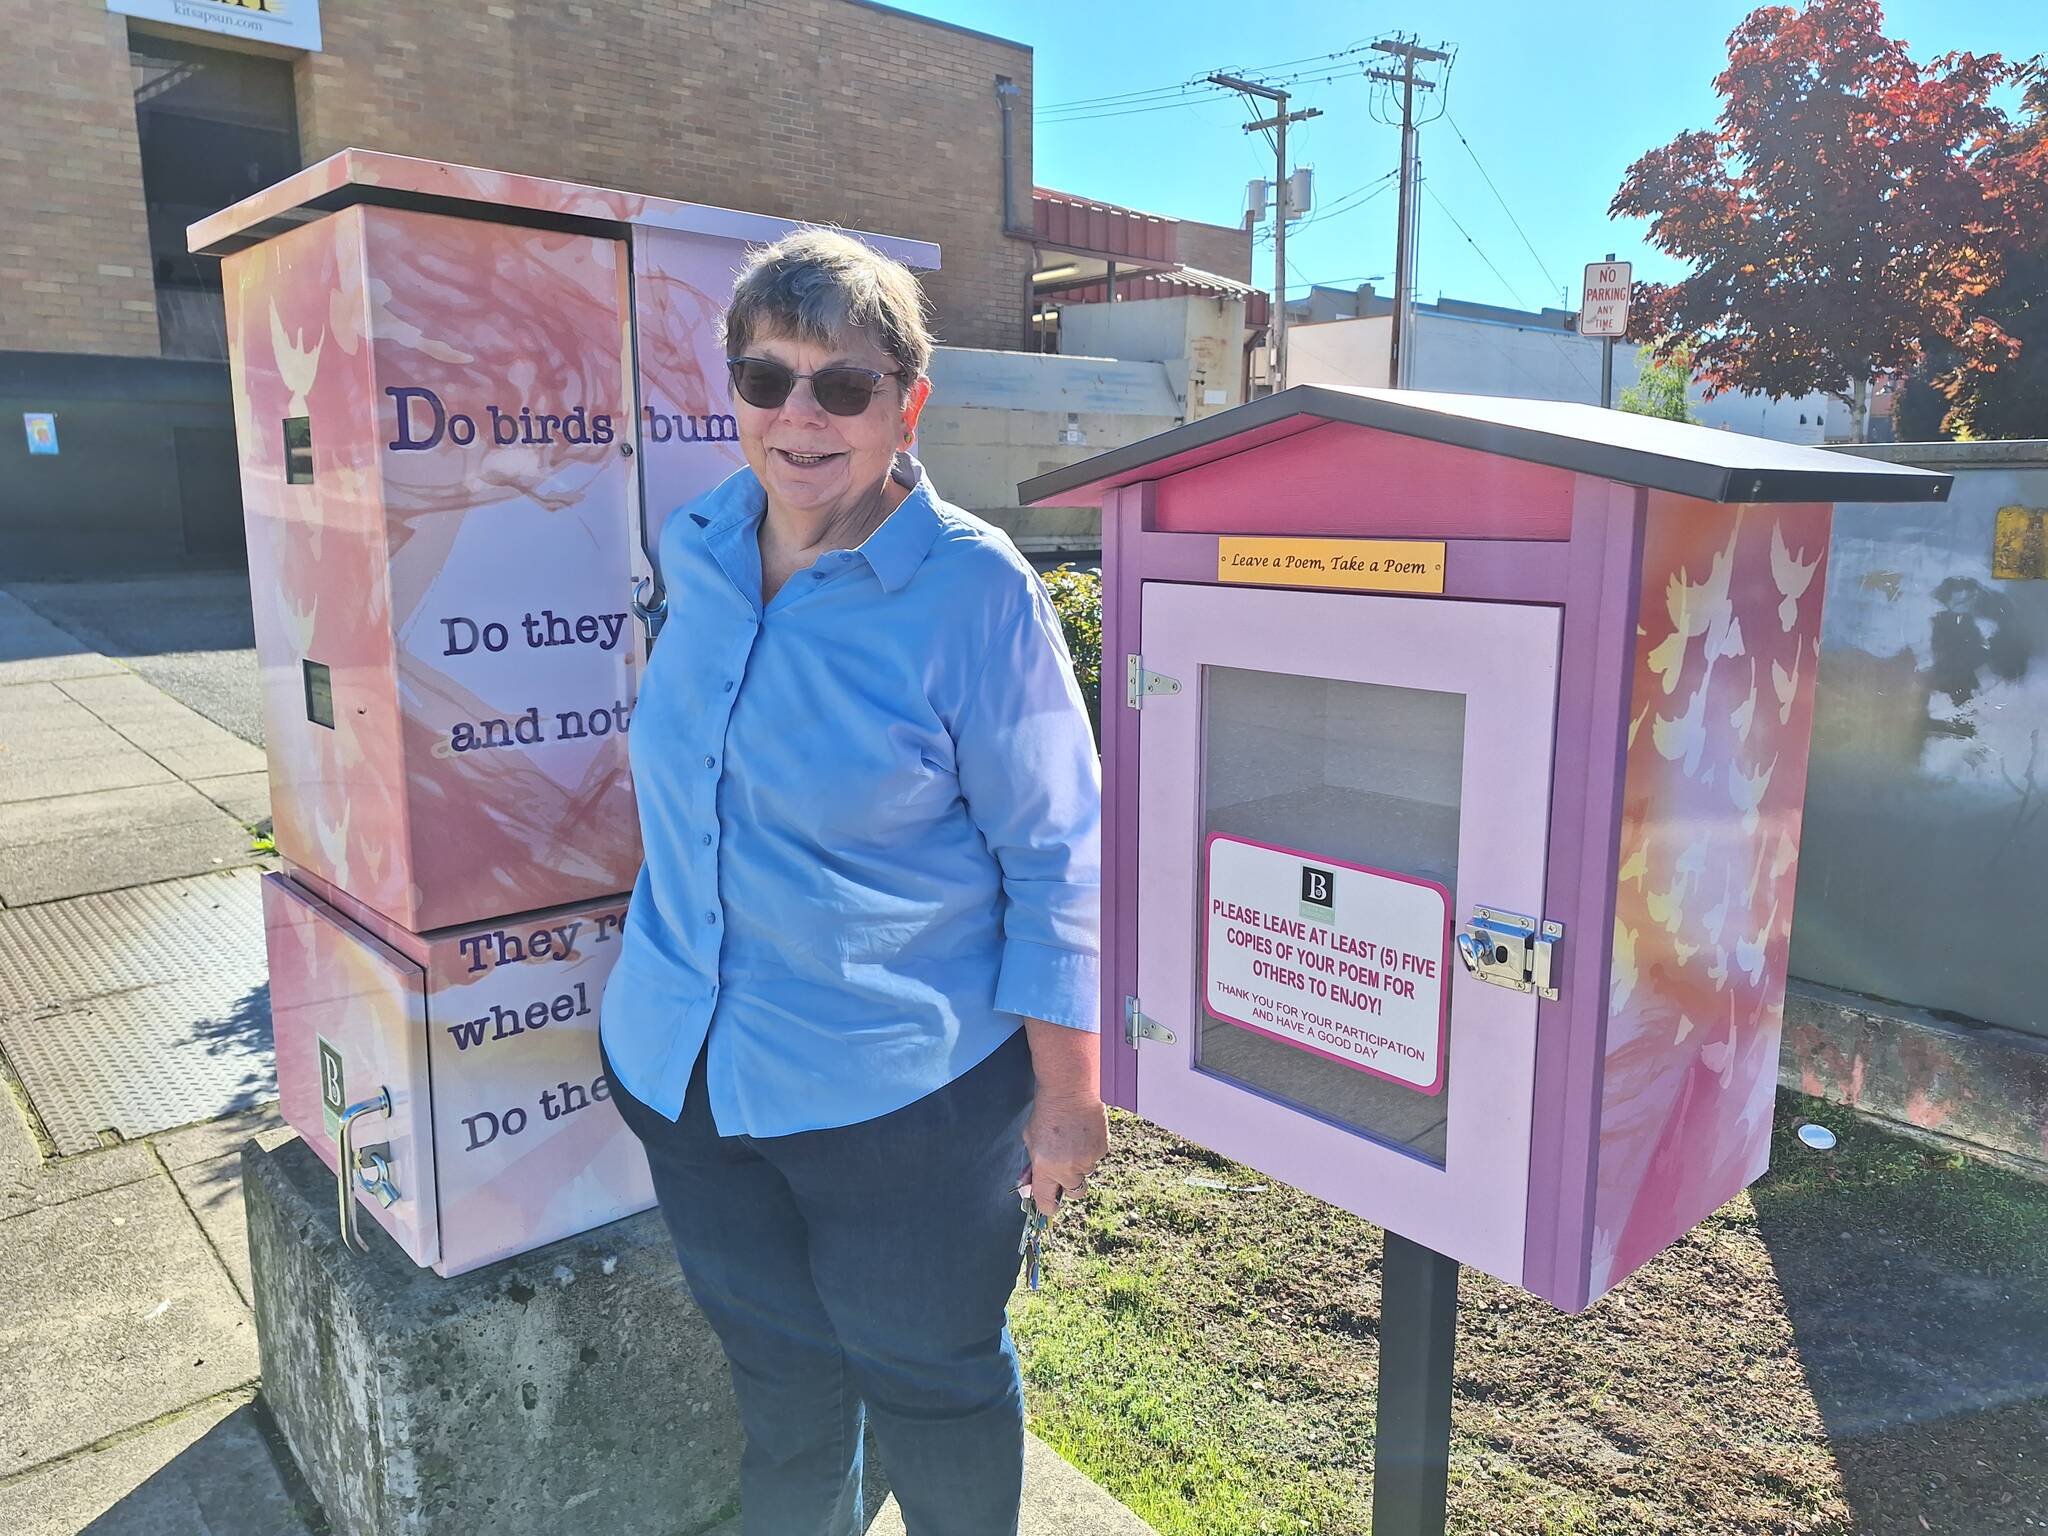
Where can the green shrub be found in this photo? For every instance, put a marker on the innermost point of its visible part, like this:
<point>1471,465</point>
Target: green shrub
<point>1077,598</point>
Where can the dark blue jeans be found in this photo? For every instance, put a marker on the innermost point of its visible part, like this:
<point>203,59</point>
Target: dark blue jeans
<point>868,1264</point>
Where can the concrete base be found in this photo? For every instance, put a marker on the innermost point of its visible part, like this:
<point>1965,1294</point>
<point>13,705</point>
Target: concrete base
<point>1979,1088</point>
<point>574,1387</point>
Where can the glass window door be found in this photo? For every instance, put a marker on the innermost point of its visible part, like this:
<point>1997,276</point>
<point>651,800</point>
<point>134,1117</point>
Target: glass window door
<point>1340,781</point>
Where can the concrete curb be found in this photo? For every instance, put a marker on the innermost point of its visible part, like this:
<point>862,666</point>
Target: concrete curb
<point>1978,1087</point>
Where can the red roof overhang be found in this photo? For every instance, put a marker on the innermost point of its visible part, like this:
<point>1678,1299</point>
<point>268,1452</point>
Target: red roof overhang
<point>1103,230</point>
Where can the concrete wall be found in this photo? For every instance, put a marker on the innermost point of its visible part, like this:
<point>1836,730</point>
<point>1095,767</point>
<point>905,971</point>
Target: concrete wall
<point>1462,355</point>
<point>1342,352</point>
<point>1201,342</point>
<point>145,477</point>
<point>1923,872</point>
<point>997,418</point>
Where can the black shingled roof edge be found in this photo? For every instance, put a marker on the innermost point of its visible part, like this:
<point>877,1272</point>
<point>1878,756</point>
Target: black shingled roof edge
<point>1630,466</point>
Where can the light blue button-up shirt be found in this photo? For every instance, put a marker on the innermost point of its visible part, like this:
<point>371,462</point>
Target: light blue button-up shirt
<point>871,817</point>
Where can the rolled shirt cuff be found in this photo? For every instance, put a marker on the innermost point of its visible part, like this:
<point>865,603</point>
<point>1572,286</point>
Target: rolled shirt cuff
<point>1061,986</point>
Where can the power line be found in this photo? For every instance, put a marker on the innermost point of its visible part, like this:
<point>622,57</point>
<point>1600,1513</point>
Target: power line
<point>1524,303</point>
<point>1089,103</point>
<point>1504,208</point>
<point>1193,100</point>
<point>1265,236</point>
<point>1555,340</point>
<point>1255,74</point>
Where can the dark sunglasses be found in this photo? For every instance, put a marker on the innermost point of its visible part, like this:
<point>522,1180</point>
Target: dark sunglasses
<point>845,391</point>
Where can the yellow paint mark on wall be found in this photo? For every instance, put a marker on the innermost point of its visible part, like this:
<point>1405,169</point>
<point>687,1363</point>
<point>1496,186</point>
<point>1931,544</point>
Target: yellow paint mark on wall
<point>2019,547</point>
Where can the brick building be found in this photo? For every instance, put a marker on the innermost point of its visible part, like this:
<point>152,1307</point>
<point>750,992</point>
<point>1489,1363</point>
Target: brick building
<point>121,130</point>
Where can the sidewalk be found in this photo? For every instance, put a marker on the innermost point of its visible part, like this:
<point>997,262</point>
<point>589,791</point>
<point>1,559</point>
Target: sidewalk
<point>134,1061</point>
<point>127,1351</point>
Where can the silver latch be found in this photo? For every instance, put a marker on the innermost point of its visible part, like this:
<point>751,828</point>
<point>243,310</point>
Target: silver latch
<point>1137,1027</point>
<point>349,1165</point>
<point>373,1172</point>
<point>1505,949</point>
<point>1138,682</point>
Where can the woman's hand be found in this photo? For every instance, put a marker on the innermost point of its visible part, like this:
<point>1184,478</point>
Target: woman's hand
<point>1069,1130</point>
<point>1066,1139</point>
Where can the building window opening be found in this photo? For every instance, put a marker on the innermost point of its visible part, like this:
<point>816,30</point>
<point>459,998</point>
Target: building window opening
<point>214,126</point>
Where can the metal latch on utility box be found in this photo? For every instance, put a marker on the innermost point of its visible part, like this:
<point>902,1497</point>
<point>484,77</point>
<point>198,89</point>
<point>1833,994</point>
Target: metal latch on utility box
<point>1505,949</point>
<point>1137,1027</point>
<point>1138,682</point>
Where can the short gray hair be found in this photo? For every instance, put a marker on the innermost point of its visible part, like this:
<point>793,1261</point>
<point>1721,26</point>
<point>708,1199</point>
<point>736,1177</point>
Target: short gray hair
<point>817,284</point>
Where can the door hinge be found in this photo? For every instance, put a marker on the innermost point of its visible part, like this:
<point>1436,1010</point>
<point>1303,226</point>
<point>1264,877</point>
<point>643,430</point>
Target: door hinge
<point>1505,949</point>
<point>1138,682</point>
<point>1137,1027</point>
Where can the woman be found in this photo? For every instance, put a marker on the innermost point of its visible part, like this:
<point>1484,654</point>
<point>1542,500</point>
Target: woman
<point>856,1004</point>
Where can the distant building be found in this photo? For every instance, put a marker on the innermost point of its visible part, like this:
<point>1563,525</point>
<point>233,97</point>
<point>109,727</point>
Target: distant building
<point>1341,336</point>
<point>131,119</point>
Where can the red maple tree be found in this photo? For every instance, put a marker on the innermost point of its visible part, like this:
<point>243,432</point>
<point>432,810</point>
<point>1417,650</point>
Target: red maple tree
<point>1844,211</point>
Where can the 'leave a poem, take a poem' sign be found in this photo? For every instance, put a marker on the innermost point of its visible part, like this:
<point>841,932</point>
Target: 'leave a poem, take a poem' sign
<point>1348,565</point>
<point>1337,959</point>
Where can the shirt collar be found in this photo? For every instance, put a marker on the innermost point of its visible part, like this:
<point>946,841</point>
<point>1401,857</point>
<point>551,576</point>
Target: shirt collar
<point>893,551</point>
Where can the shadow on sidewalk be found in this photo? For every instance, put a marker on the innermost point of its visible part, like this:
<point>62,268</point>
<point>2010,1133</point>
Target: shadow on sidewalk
<point>239,1042</point>
<point>149,615</point>
<point>1915,1283</point>
<point>235,1477</point>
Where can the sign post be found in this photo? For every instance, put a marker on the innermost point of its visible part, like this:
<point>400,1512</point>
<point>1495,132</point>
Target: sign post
<point>1603,312</point>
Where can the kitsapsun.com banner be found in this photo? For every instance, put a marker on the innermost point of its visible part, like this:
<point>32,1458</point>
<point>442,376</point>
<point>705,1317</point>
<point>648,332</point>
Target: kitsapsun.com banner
<point>289,23</point>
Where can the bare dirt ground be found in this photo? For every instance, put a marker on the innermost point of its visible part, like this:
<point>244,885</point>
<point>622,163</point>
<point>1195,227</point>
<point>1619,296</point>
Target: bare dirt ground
<point>1860,1344</point>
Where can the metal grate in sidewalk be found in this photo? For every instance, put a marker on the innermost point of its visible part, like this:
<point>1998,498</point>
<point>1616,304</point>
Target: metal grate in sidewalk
<point>140,1009</point>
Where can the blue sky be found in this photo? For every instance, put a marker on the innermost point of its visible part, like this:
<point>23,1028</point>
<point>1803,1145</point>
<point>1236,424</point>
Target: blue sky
<point>1555,101</point>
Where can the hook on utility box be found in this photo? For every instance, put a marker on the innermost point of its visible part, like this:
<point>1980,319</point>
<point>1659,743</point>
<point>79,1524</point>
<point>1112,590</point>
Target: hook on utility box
<point>651,615</point>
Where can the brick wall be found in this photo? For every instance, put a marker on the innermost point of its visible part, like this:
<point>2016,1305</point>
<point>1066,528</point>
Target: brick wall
<point>1216,248</point>
<point>74,238</point>
<point>829,109</point>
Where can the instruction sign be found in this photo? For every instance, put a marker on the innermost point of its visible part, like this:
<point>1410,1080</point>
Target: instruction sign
<point>1603,310</point>
<point>1337,959</point>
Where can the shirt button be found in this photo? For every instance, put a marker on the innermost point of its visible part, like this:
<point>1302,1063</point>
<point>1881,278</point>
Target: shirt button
<point>728,685</point>
<point>707,839</point>
<point>710,917</point>
<point>710,762</point>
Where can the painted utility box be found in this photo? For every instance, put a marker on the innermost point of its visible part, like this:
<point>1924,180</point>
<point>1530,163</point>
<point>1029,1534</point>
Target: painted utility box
<point>1452,805</point>
<point>464,402</point>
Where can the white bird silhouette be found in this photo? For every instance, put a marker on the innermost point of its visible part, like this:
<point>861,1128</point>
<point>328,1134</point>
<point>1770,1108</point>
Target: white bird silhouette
<point>1791,574</point>
<point>1747,791</point>
<point>296,367</point>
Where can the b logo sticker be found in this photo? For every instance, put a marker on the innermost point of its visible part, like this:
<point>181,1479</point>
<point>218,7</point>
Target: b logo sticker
<point>333,1093</point>
<point>1318,892</point>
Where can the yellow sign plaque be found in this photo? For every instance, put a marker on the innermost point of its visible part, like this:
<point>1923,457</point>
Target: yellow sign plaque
<point>1354,565</point>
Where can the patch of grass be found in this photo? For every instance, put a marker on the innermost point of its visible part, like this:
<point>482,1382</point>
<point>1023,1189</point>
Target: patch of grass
<point>1986,1217</point>
<point>1209,1356</point>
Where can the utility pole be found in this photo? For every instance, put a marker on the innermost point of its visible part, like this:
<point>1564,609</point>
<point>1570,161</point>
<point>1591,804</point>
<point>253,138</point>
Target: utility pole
<point>1399,356</point>
<point>1279,120</point>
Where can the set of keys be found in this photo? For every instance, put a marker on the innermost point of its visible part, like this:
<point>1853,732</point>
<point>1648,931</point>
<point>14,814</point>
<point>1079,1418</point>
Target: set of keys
<point>1035,1223</point>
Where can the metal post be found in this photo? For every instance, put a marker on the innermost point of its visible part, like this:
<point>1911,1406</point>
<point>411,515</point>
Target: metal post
<point>1607,367</point>
<point>1412,1441</point>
